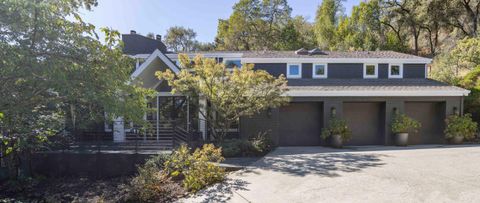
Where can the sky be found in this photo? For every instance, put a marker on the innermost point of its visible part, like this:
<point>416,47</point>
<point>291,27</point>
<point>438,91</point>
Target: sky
<point>157,16</point>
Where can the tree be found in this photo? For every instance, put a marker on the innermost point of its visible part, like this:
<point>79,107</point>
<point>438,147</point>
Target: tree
<point>230,94</point>
<point>253,25</point>
<point>328,16</point>
<point>461,66</point>
<point>200,46</point>
<point>298,33</point>
<point>181,39</point>
<point>56,77</point>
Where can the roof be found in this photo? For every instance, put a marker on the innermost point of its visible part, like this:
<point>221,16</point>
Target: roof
<point>331,54</point>
<point>138,44</point>
<point>372,87</point>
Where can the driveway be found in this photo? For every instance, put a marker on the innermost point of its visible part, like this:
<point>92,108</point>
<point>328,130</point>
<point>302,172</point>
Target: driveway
<point>362,174</point>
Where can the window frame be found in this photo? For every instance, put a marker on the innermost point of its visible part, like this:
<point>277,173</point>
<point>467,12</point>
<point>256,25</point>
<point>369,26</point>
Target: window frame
<point>400,75</point>
<point>365,71</point>
<point>299,71</point>
<point>325,72</point>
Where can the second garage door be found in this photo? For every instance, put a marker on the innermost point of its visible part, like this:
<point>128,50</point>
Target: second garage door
<point>431,115</point>
<point>366,120</point>
<point>300,124</point>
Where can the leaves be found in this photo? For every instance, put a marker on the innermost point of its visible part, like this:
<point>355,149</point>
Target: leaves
<point>232,93</point>
<point>403,124</point>
<point>460,126</point>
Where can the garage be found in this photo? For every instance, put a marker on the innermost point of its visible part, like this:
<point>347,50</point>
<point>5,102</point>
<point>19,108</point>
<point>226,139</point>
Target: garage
<point>431,115</point>
<point>300,124</point>
<point>366,120</point>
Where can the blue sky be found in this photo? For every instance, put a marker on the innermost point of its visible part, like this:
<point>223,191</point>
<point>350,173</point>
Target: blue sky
<point>157,16</point>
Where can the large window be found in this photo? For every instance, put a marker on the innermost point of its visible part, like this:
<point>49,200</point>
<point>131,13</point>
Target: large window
<point>395,71</point>
<point>294,71</point>
<point>233,63</point>
<point>320,71</point>
<point>370,71</point>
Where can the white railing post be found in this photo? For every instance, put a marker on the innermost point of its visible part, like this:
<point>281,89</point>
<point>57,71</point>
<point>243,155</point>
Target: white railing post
<point>158,118</point>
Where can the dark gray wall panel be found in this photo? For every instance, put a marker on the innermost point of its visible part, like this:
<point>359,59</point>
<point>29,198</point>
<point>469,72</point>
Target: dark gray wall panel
<point>275,69</point>
<point>345,70</point>
<point>306,70</point>
<point>413,70</point>
<point>382,70</point>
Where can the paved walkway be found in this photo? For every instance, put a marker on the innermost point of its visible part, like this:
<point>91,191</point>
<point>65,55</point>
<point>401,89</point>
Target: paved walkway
<point>363,174</point>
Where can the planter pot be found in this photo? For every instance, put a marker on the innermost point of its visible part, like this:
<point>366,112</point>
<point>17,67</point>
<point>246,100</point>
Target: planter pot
<point>337,141</point>
<point>456,140</point>
<point>401,139</point>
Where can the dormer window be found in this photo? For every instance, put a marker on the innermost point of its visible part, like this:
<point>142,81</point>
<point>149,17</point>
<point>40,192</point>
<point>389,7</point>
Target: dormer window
<point>370,71</point>
<point>320,70</point>
<point>294,70</point>
<point>395,71</point>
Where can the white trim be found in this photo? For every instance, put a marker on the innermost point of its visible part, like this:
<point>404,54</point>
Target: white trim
<point>373,93</point>
<point>299,71</point>
<point>336,60</point>
<point>390,70</point>
<point>208,55</point>
<point>156,54</point>
<point>365,70</point>
<point>426,70</point>
<point>325,73</point>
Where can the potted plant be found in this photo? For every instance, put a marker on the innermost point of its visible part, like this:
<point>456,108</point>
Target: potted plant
<point>338,132</point>
<point>459,128</point>
<point>402,125</point>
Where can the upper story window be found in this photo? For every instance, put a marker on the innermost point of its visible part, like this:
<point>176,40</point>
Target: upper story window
<point>233,63</point>
<point>370,71</point>
<point>294,70</point>
<point>320,70</point>
<point>395,71</point>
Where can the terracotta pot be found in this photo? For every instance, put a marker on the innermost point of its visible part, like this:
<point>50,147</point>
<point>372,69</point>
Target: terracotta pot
<point>456,140</point>
<point>401,139</point>
<point>337,141</point>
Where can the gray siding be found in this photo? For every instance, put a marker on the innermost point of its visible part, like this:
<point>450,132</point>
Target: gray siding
<point>345,70</point>
<point>306,70</point>
<point>413,70</point>
<point>275,69</point>
<point>382,70</point>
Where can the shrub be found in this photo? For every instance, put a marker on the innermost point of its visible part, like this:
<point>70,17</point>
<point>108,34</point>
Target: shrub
<point>262,143</point>
<point>198,169</point>
<point>337,126</point>
<point>237,147</point>
<point>403,124</point>
<point>460,126</point>
<point>152,185</point>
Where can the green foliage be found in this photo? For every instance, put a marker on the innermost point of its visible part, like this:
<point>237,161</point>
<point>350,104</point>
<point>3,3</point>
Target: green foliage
<point>327,18</point>
<point>231,93</point>
<point>460,126</point>
<point>403,124</point>
<point>257,145</point>
<point>197,169</point>
<point>179,38</point>
<point>152,185</point>
<point>254,25</point>
<point>337,126</point>
<point>56,75</point>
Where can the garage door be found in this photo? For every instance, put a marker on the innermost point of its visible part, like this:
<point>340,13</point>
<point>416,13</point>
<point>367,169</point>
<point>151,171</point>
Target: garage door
<point>431,115</point>
<point>300,124</point>
<point>366,120</point>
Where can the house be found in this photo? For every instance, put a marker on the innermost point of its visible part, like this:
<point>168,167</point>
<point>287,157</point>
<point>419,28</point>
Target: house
<point>363,87</point>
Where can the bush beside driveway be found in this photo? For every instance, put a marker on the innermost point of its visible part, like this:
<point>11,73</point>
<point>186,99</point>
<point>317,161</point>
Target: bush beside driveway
<point>363,174</point>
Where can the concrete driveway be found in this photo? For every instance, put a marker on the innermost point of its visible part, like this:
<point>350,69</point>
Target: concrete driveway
<point>362,174</point>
